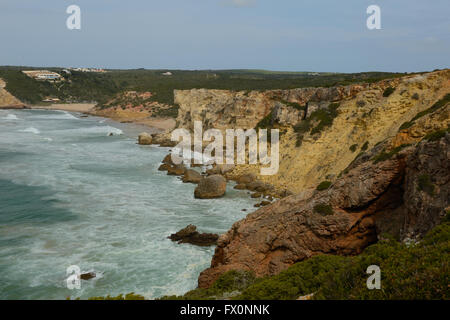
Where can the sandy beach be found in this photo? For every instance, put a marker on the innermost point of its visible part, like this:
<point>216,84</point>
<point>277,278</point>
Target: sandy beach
<point>73,107</point>
<point>162,124</point>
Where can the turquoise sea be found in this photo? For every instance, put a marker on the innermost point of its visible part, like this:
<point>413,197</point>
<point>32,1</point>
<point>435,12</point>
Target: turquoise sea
<point>70,194</point>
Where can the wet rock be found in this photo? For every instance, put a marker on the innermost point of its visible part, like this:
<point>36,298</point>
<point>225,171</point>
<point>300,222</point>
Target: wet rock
<point>168,159</point>
<point>87,276</point>
<point>144,139</point>
<point>211,187</point>
<point>164,167</point>
<point>221,169</point>
<point>256,186</point>
<point>240,186</point>
<point>192,176</point>
<point>192,236</point>
<point>256,195</point>
<point>176,170</point>
<point>246,178</point>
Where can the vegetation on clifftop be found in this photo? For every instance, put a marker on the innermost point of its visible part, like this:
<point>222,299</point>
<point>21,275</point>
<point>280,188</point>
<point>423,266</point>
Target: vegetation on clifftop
<point>101,87</point>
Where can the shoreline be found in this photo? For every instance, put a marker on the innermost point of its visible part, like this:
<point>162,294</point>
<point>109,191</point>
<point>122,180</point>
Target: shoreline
<point>160,124</point>
<point>73,107</point>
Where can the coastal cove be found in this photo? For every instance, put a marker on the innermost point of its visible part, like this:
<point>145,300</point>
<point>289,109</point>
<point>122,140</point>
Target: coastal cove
<point>73,194</point>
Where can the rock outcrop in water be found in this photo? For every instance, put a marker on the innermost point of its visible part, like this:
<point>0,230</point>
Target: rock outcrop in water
<point>145,139</point>
<point>192,176</point>
<point>192,236</point>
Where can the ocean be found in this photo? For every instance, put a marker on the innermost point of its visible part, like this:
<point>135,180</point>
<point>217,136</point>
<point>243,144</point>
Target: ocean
<point>71,194</point>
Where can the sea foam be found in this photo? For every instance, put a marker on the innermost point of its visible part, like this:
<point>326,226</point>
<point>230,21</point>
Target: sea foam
<point>31,130</point>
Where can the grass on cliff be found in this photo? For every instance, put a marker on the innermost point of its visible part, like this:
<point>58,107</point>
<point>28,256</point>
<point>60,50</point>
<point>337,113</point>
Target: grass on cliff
<point>441,103</point>
<point>324,185</point>
<point>424,184</point>
<point>317,122</point>
<point>437,135</point>
<point>388,91</point>
<point>383,156</point>
<point>417,271</point>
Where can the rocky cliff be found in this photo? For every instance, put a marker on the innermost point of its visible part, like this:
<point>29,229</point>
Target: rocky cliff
<point>324,128</point>
<point>224,109</point>
<point>385,150</point>
<point>402,194</point>
<point>7,99</point>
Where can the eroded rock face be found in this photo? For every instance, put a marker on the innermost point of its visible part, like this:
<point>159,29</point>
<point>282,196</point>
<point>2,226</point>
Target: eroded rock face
<point>427,187</point>
<point>362,125</point>
<point>163,139</point>
<point>370,200</point>
<point>211,187</point>
<point>287,115</point>
<point>224,109</point>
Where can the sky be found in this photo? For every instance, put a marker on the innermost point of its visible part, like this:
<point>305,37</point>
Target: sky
<point>284,35</point>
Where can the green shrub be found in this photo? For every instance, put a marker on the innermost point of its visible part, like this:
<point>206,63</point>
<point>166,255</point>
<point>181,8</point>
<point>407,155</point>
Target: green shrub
<point>300,279</point>
<point>325,117</point>
<point>383,156</point>
<point>433,108</point>
<point>353,147</point>
<point>294,105</point>
<point>425,185</point>
<point>365,146</point>
<point>171,112</point>
<point>360,103</point>
<point>436,106</point>
<point>388,91</point>
<point>302,127</point>
<point>266,122</point>
<point>406,125</point>
<point>323,209</point>
<point>324,185</point>
<point>436,135</point>
<point>228,284</point>
<point>415,96</point>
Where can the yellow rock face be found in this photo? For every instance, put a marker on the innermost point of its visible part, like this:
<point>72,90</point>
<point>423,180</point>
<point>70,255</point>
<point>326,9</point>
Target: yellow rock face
<point>326,154</point>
